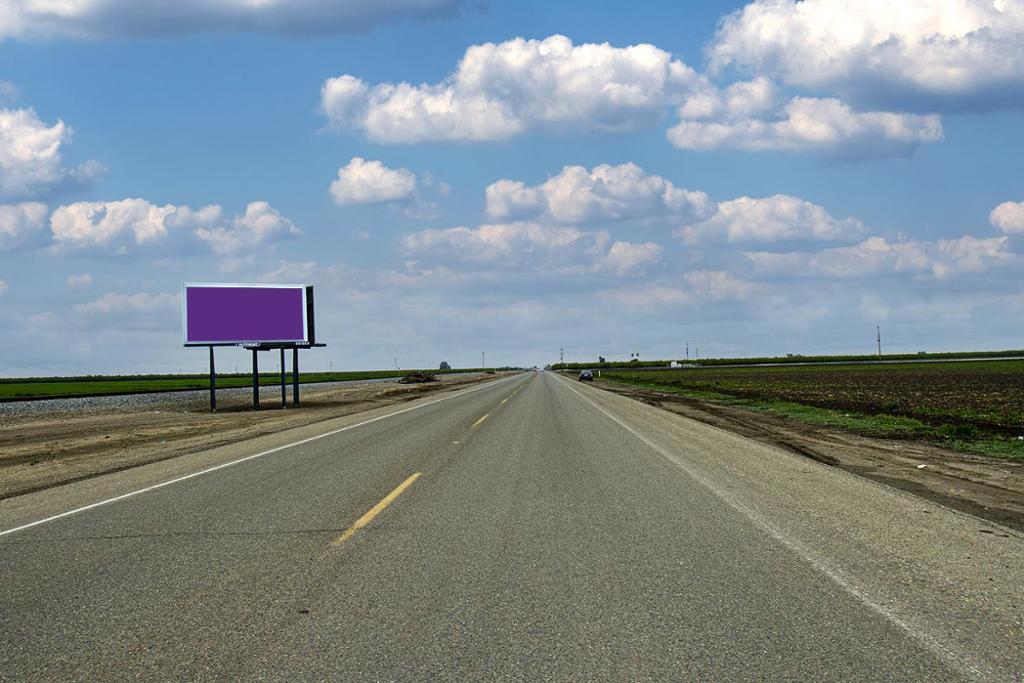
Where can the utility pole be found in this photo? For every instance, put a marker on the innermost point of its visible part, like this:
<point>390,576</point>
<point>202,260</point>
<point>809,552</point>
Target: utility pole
<point>878,338</point>
<point>687,349</point>
<point>561,355</point>
<point>483,359</point>
<point>396,364</point>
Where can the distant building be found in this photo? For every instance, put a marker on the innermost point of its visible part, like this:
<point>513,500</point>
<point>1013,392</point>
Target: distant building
<point>445,366</point>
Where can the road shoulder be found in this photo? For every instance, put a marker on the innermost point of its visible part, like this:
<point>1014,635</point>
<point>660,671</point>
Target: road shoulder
<point>140,472</point>
<point>986,487</point>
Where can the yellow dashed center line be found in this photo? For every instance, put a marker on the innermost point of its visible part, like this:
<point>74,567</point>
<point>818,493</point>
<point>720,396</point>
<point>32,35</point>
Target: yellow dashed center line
<point>477,423</point>
<point>375,510</point>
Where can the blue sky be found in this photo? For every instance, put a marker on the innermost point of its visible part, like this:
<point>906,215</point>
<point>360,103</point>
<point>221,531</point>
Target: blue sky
<point>753,178</point>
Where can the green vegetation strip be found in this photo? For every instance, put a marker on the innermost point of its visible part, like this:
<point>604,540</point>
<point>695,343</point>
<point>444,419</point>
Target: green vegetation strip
<point>794,358</point>
<point>970,425</point>
<point>105,385</point>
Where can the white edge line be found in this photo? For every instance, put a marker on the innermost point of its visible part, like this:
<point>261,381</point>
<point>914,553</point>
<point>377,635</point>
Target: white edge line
<point>200,473</point>
<point>945,651</point>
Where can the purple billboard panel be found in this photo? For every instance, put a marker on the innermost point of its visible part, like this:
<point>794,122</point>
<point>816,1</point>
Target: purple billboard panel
<point>244,314</point>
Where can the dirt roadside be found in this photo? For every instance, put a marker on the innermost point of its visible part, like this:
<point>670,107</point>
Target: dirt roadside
<point>40,451</point>
<point>983,486</point>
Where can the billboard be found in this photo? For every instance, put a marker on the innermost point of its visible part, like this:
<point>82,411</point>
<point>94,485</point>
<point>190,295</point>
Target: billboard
<point>220,314</point>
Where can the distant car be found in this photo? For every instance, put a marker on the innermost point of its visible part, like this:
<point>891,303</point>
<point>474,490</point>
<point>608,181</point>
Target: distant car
<point>586,376</point>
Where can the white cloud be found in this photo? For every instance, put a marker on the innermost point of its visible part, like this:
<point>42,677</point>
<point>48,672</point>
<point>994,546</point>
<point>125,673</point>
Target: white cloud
<point>371,182</point>
<point>29,19</point>
<point>113,303</point>
<point>772,219</point>
<point>743,99</point>
<point>1008,217</point>
<point>527,245</point>
<point>127,223</point>
<point>260,224</point>
<point>30,157</point>
<point>20,223</point>
<point>83,281</point>
<point>743,118</point>
<point>648,297</point>
<point>874,256</point>
<point>606,192</point>
<point>626,257</point>
<point>500,90</point>
<point>718,285</point>
<point>504,243</point>
<point>99,224</point>
<point>942,54</point>
<point>3,288</point>
<point>694,288</point>
<point>291,272</point>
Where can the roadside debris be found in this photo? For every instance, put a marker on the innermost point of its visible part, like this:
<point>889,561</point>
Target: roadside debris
<point>417,378</point>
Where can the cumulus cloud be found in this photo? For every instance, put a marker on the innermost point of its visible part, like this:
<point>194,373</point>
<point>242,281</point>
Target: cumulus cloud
<point>772,219</point>
<point>260,224</point>
<point>746,116</point>
<point>605,192</point>
<point>30,157</point>
<point>21,223</point>
<point>127,223</point>
<point>526,244</point>
<point>507,243</point>
<point>875,256</point>
<point>100,224</point>
<point>371,182</point>
<point>1008,217</point>
<point>504,89</point>
<point>937,54</point>
<point>626,257</point>
<point>27,19</point>
<point>83,281</point>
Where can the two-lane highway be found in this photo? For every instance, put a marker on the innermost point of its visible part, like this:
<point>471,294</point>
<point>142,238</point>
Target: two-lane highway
<point>529,529</point>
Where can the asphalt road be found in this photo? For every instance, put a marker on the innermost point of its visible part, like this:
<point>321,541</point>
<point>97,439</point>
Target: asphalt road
<point>528,529</point>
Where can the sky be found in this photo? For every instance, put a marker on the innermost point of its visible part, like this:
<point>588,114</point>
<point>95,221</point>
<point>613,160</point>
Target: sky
<point>512,178</point>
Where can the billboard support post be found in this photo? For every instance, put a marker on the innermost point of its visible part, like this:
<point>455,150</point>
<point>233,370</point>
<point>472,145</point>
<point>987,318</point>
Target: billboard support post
<point>257,317</point>
<point>255,381</point>
<point>284,384</point>
<point>295,377</point>
<point>213,384</point>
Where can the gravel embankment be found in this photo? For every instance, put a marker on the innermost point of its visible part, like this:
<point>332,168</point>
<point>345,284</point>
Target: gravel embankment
<point>179,401</point>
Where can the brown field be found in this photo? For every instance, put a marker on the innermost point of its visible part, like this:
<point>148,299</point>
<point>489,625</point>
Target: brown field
<point>986,395</point>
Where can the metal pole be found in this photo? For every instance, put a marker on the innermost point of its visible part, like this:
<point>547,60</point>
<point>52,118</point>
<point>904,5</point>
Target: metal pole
<point>255,382</point>
<point>284,384</point>
<point>213,383</point>
<point>295,377</point>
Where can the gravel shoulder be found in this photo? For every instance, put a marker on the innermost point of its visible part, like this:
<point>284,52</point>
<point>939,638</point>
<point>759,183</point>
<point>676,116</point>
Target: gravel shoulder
<point>76,439</point>
<point>986,487</point>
